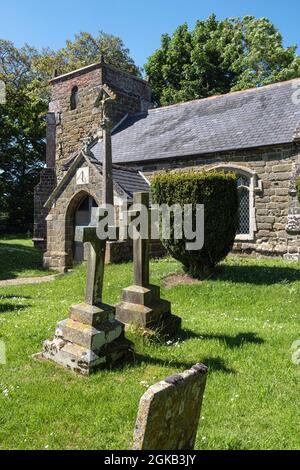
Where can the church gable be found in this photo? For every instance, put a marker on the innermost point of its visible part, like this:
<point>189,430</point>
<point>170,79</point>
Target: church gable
<point>85,174</point>
<point>81,176</point>
<point>81,190</point>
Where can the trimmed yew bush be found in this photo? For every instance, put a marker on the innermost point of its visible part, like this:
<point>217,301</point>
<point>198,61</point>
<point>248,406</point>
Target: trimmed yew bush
<point>218,192</point>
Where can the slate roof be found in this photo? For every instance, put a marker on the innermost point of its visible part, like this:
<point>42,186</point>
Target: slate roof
<point>253,118</point>
<point>129,180</point>
<point>125,179</point>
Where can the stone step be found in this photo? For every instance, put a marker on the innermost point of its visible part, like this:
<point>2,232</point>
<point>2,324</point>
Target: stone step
<point>80,334</point>
<point>90,315</point>
<point>141,295</point>
<point>141,315</point>
<point>85,358</point>
<point>88,336</point>
<point>85,361</point>
<point>76,358</point>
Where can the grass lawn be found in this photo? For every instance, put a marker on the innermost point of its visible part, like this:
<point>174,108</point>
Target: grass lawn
<point>19,259</point>
<point>241,324</point>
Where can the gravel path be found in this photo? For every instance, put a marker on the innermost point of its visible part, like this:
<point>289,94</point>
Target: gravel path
<point>28,280</point>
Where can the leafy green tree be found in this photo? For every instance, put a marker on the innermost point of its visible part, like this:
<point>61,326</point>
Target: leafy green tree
<point>86,50</point>
<point>218,57</point>
<point>22,132</point>
<point>26,73</point>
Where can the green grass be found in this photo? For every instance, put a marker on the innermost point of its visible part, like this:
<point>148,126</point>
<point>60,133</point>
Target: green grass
<point>19,259</point>
<point>241,324</point>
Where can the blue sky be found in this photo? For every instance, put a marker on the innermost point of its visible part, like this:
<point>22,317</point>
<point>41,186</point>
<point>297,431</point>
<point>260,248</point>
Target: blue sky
<point>139,23</point>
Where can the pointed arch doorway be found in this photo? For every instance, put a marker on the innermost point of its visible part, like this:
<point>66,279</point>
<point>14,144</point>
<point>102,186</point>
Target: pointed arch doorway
<point>83,217</point>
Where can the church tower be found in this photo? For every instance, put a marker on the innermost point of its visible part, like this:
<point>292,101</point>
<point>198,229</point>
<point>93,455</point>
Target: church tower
<point>73,117</point>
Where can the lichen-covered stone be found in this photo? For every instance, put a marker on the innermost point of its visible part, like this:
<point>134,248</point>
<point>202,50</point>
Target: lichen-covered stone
<point>84,348</point>
<point>144,309</point>
<point>169,412</point>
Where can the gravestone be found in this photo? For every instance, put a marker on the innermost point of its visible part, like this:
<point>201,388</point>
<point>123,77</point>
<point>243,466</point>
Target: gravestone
<point>169,412</point>
<point>91,338</point>
<point>142,305</point>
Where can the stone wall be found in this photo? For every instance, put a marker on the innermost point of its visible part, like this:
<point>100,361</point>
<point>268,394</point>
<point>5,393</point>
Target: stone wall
<point>272,196</point>
<point>120,252</point>
<point>41,194</point>
<point>133,96</point>
<point>293,225</point>
<point>273,200</point>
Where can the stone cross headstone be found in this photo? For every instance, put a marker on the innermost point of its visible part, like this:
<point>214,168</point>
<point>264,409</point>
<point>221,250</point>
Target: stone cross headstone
<point>169,412</point>
<point>91,338</point>
<point>141,251</point>
<point>96,264</point>
<point>142,305</point>
<point>106,95</point>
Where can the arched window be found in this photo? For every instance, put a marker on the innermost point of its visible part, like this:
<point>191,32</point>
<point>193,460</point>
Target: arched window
<point>244,208</point>
<point>74,98</point>
<point>247,186</point>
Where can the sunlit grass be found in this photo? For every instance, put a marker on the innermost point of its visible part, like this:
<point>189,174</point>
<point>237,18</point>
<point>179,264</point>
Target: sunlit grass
<point>18,258</point>
<point>241,323</point>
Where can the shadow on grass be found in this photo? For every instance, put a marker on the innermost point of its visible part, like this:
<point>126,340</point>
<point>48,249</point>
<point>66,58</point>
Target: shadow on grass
<point>14,297</point>
<point>10,247</point>
<point>6,308</point>
<point>215,364</point>
<point>231,341</point>
<point>259,275</point>
<point>17,258</point>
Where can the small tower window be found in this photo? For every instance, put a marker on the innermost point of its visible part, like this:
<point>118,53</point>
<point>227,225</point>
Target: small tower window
<point>74,98</point>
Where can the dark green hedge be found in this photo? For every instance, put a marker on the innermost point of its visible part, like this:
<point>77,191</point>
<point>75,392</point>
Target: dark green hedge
<point>218,192</point>
<point>298,188</point>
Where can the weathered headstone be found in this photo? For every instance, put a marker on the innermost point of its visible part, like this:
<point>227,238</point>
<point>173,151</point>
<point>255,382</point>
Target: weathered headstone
<point>91,338</point>
<point>169,412</point>
<point>142,305</point>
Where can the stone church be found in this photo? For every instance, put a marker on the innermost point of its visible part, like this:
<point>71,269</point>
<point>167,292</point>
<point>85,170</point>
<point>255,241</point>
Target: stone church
<point>254,133</point>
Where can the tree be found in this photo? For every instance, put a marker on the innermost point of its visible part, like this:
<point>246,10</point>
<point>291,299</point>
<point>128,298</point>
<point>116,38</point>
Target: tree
<point>22,131</point>
<point>26,73</point>
<point>219,57</point>
<point>85,50</point>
